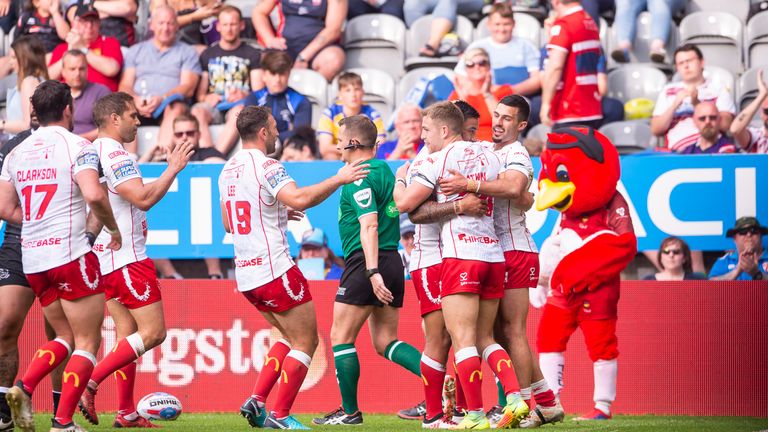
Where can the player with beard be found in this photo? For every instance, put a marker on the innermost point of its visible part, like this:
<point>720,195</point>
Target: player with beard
<point>511,201</point>
<point>256,194</point>
<point>55,173</point>
<point>128,275</point>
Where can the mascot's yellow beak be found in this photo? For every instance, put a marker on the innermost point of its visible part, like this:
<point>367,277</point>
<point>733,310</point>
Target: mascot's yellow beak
<point>555,194</point>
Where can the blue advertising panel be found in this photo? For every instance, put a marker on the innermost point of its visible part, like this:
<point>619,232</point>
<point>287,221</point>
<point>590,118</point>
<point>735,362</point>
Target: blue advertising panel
<point>695,197</point>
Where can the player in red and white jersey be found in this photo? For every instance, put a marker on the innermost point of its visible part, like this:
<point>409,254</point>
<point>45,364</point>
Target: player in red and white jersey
<point>473,269</point>
<point>128,276</point>
<point>55,174</point>
<point>511,200</point>
<point>256,196</point>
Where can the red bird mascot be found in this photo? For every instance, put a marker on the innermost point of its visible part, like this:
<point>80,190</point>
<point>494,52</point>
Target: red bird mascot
<point>583,261</point>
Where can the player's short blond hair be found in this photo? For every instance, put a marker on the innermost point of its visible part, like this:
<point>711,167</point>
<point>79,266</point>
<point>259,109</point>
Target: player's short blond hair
<point>446,114</point>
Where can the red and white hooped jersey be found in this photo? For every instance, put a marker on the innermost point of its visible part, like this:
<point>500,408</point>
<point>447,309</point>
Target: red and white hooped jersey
<point>119,166</point>
<point>509,220</point>
<point>465,237</point>
<point>426,238</point>
<point>43,170</point>
<point>248,186</point>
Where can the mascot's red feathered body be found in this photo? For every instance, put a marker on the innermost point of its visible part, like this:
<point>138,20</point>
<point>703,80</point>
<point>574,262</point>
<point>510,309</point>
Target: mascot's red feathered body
<point>583,261</point>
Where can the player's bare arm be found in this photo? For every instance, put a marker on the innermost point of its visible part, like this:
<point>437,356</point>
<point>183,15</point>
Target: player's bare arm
<point>303,198</point>
<point>369,239</point>
<point>144,196</point>
<point>431,211</point>
<point>10,209</point>
<point>98,201</point>
<point>511,185</point>
<point>408,198</point>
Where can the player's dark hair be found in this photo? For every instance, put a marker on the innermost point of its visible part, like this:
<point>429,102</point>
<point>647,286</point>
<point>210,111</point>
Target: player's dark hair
<point>113,103</point>
<point>688,47</point>
<point>687,264</point>
<point>251,120</point>
<point>361,128</point>
<point>276,62</point>
<point>447,114</point>
<point>467,110</point>
<point>519,102</point>
<point>49,101</point>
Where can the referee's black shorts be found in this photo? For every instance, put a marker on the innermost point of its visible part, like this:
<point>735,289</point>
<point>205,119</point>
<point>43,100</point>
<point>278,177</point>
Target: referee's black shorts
<point>356,289</point>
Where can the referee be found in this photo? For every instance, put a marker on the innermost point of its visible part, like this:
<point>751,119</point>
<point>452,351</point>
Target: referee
<point>372,284</point>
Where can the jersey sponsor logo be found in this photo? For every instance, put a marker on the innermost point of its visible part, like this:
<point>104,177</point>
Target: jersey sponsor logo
<point>466,238</point>
<point>4,273</point>
<point>253,262</point>
<point>125,168</point>
<point>52,241</point>
<point>277,176</point>
<point>39,153</point>
<point>392,210</point>
<point>269,162</point>
<point>87,157</point>
<point>363,197</point>
<point>36,174</point>
<point>117,153</point>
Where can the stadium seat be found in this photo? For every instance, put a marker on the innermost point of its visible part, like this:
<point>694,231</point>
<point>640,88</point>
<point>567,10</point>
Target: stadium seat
<point>407,82</point>
<point>375,41</point>
<point>146,138</point>
<point>739,8</point>
<point>312,85</point>
<point>747,88</point>
<point>215,130</point>
<point>756,41</point>
<point>418,35</point>
<point>245,6</point>
<point>641,46</point>
<point>526,27</point>
<point>717,75</point>
<point>539,132</point>
<point>718,35</point>
<point>142,20</point>
<point>635,81</point>
<point>379,90</point>
<point>629,136</point>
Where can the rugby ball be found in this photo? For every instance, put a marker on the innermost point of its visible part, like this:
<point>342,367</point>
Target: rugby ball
<point>159,406</point>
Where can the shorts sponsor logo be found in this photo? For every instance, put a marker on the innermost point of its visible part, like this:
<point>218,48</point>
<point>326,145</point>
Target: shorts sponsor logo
<point>363,197</point>
<point>124,168</point>
<point>464,280</point>
<point>587,307</point>
<point>4,273</point>
<point>87,158</point>
<point>533,273</point>
<point>463,277</point>
<point>341,291</point>
<point>277,176</point>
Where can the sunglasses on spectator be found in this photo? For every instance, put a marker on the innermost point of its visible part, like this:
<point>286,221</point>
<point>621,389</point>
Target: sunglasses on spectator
<point>705,118</point>
<point>482,63</point>
<point>746,231</point>
<point>672,252</point>
<point>182,134</point>
<point>765,111</point>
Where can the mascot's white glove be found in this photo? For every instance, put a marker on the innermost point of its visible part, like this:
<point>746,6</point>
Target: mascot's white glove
<point>552,251</point>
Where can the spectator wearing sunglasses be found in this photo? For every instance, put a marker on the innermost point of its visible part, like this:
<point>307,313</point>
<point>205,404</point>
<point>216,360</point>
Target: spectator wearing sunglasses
<point>749,261</point>
<point>478,90</point>
<point>674,260</point>
<point>753,139</point>
<point>710,141</point>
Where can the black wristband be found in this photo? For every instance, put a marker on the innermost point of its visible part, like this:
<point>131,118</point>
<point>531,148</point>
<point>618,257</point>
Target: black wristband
<point>370,272</point>
<point>91,238</point>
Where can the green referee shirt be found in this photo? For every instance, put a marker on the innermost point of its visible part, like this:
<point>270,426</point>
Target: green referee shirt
<point>372,194</point>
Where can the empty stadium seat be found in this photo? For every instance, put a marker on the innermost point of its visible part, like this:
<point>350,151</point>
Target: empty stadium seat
<point>629,136</point>
<point>379,90</point>
<point>718,75</point>
<point>718,35</point>
<point>756,40</point>
<point>539,132</point>
<point>641,46</point>
<point>739,8</point>
<point>747,87</point>
<point>407,82</point>
<point>146,138</point>
<point>312,85</point>
<point>526,27</point>
<point>635,81</point>
<point>375,41</point>
<point>418,35</point>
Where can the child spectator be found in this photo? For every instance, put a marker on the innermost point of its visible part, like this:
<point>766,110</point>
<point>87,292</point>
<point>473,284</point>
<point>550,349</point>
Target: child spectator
<point>301,146</point>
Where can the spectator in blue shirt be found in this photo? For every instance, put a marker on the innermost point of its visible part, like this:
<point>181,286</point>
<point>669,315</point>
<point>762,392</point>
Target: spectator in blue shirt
<point>408,142</point>
<point>749,261</point>
<point>314,244</point>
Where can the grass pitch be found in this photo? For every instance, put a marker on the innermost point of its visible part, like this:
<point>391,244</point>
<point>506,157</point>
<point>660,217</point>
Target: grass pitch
<point>232,422</point>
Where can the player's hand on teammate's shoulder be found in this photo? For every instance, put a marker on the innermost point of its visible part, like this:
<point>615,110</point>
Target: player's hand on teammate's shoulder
<point>178,155</point>
<point>380,290</point>
<point>455,184</point>
<point>352,172</point>
<point>473,205</point>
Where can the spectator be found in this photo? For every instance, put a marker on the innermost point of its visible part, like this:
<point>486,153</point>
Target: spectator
<point>753,139</point>
<point>625,24</point>
<point>471,120</point>
<point>290,108</point>
<point>28,61</point>
<point>84,93</point>
<point>673,112</point>
<point>231,70</point>
<point>310,32</point>
<point>749,261</point>
<point>478,90</point>
<point>314,244</point>
<point>706,119</point>
<point>301,146</point>
<point>105,59</point>
<point>362,7</point>
<point>596,8</point>
<point>197,21</point>
<point>408,142</point>
<point>9,14</point>
<point>514,60</point>
<point>116,17</point>
<point>43,19</point>
<point>161,74</point>
<point>443,14</point>
<point>674,260</point>
<point>350,102</point>
<point>186,128</point>
<point>570,93</point>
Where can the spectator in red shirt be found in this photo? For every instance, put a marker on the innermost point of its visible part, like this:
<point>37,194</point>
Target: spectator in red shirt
<point>570,92</point>
<point>478,90</point>
<point>102,52</point>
